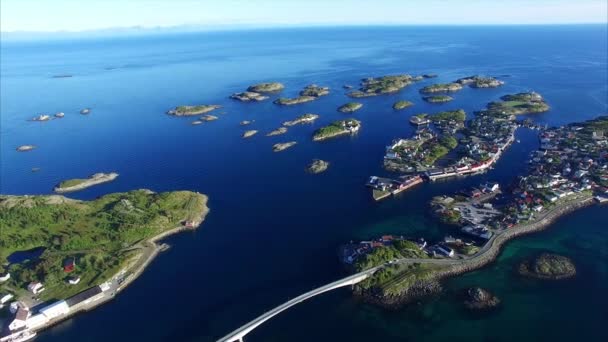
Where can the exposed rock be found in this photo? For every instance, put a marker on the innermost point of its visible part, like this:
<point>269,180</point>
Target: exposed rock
<point>306,118</point>
<point>314,90</point>
<point>548,266</point>
<point>317,166</point>
<point>283,146</point>
<point>249,133</point>
<point>192,110</point>
<point>248,96</point>
<point>41,117</point>
<point>209,118</point>
<point>438,98</point>
<point>477,298</point>
<point>85,111</point>
<point>25,148</point>
<point>480,82</point>
<point>278,131</point>
<point>441,87</point>
<point>196,122</point>
<point>59,115</point>
<point>270,87</point>
<point>246,122</point>
<point>284,101</point>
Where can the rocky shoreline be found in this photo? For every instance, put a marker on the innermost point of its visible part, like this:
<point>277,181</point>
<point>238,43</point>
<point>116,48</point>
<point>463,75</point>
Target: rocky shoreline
<point>488,254</point>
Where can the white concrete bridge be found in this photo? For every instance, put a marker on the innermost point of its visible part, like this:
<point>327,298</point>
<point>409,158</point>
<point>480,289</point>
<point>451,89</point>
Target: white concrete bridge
<point>239,334</point>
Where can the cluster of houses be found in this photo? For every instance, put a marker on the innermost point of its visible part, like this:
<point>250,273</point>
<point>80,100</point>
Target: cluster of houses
<point>351,252</point>
<point>25,323</point>
<point>571,159</point>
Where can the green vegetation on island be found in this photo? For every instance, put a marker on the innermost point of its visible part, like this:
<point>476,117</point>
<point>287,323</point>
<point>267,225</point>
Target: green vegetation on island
<point>350,107</point>
<point>269,87</point>
<point>441,88</point>
<point>306,118</point>
<point>284,101</point>
<point>337,128</point>
<point>399,105</point>
<point>517,104</point>
<point>192,110</point>
<point>383,85</point>
<point>249,96</point>
<point>438,99</point>
<point>548,266</point>
<point>99,236</point>
<point>80,183</point>
<point>478,81</point>
<point>315,91</point>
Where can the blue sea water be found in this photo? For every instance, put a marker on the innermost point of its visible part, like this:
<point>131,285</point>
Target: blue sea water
<point>273,229</point>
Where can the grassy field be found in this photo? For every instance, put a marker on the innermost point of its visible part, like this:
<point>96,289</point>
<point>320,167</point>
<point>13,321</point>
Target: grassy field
<point>97,234</point>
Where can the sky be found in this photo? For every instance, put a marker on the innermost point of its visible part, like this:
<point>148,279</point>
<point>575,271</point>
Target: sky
<point>84,15</point>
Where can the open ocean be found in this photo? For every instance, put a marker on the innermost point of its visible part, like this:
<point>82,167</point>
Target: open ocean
<point>273,230</point>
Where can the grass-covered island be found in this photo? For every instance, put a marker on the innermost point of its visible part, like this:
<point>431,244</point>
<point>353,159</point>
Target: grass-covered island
<point>337,128</point>
<point>192,110</point>
<point>285,101</point>
<point>82,244</point>
<point>441,88</point>
<point>517,104</point>
<point>77,184</point>
<point>374,86</point>
<point>478,81</point>
<point>399,105</point>
<point>249,96</point>
<point>302,119</point>
<point>269,87</point>
<point>438,99</point>
<point>350,107</point>
<point>548,266</point>
<point>314,90</point>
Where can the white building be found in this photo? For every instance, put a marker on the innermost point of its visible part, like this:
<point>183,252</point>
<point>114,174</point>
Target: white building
<point>5,299</point>
<point>36,321</point>
<point>55,310</point>
<point>20,318</point>
<point>5,277</point>
<point>35,287</point>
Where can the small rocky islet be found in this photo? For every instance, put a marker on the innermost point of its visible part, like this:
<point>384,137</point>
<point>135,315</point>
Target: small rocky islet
<point>350,107</point>
<point>25,148</point>
<point>250,133</point>
<point>192,110</point>
<point>441,88</point>
<point>400,105</point>
<point>305,118</point>
<point>547,266</point>
<point>477,298</point>
<point>317,166</point>
<point>283,146</point>
<point>374,86</point>
<point>478,81</point>
<point>278,131</point>
<point>438,99</point>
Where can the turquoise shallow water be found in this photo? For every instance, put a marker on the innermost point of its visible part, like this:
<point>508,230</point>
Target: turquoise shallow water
<point>273,230</point>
